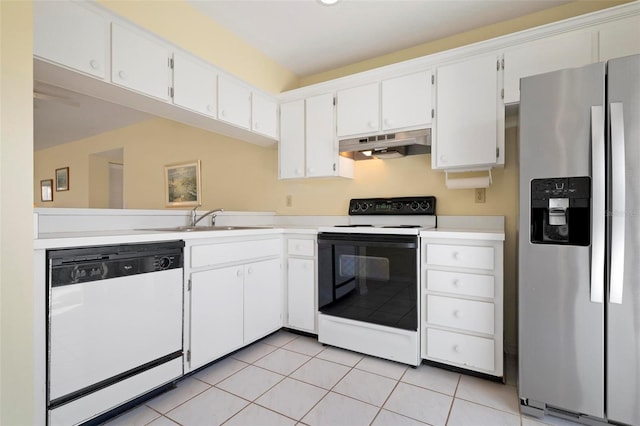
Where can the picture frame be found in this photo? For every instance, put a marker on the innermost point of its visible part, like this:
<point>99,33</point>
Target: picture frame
<point>182,184</point>
<point>46,190</point>
<point>62,179</point>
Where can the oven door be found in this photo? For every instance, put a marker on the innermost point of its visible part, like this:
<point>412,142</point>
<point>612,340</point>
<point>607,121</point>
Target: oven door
<point>369,277</point>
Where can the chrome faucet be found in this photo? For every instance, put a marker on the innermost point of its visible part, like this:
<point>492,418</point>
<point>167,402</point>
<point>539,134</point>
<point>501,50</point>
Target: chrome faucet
<point>195,221</point>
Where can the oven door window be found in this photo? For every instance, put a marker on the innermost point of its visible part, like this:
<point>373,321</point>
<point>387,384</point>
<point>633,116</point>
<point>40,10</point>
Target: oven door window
<point>369,281</point>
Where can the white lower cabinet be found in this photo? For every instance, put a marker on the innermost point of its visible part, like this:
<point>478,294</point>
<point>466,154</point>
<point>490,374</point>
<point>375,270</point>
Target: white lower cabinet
<point>262,299</point>
<point>216,313</point>
<point>462,303</point>
<point>234,299</point>
<point>301,284</point>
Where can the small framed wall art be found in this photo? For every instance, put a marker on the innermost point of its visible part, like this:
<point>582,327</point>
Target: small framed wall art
<point>46,190</point>
<point>62,179</point>
<point>182,184</point>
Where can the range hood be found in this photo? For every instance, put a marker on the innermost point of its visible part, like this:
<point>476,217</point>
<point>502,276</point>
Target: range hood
<point>390,145</point>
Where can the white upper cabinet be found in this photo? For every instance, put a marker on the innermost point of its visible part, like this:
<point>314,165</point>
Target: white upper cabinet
<point>406,101</point>
<point>469,115</point>
<point>322,153</point>
<point>234,102</point>
<point>307,140</point>
<point>358,110</point>
<point>620,38</point>
<point>69,34</point>
<point>264,115</point>
<point>291,150</point>
<point>139,62</point>
<point>550,54</point>
<point>194,84</point>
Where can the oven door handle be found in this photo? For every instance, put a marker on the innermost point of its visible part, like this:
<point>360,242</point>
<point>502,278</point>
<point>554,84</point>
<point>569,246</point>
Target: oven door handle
<point>406,245</point>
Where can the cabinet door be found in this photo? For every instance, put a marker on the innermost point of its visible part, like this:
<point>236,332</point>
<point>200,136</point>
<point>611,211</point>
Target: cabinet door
<point>301,294</point>
<point>262,299</point>
<point>358,110</point>
<point>72,35</point>
<point>194,85</point>
<point>406,101</point>
<point>234,102</point>
<point>550,54</point>
<point>264,114</point>
<point>620,38</point>
<point>216,313</point>
<point>140,63</point>
<point>466,114</point>
<point>291,146</point>
<point>321,143</point>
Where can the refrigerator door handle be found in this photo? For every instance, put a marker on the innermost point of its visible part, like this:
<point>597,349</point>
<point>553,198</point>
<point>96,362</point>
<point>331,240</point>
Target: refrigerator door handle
<point>618,192</point>
<point>598,204</point>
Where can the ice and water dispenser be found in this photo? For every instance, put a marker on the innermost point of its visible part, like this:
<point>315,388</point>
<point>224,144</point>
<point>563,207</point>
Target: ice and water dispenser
<point>561,211</point>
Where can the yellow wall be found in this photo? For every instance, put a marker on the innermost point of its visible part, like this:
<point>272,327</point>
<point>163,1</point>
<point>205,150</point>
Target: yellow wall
<point>181,24</point>
<point>236,175</point>
<point>16,210</point>
<point>484,33</point>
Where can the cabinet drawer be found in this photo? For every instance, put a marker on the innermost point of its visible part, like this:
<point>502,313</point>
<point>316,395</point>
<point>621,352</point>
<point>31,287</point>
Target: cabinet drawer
<point>213,254</point>
<point>301,247</point>
<point>460,256</point>
<point>463,314</point>
<point>460,283</point>
<point>461,349</point>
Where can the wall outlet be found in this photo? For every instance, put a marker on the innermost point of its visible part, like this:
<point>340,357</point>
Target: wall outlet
<point>289,201</point>
<point>480,195</point>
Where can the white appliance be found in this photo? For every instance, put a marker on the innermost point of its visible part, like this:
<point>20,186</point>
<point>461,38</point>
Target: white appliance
<point>114,326</point>
<point>368,278</point>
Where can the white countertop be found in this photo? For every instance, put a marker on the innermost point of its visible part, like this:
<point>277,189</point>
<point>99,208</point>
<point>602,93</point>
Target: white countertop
<point>466,233</point>
<point>84,238</point>
<point>86,227</point>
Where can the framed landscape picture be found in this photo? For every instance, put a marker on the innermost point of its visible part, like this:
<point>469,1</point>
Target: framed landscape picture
<point>182,184</point>
<point>46,190</point>
<point>62,179</point>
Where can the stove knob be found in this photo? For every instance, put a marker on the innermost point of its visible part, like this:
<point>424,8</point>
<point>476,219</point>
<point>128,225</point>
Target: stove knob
<point>364,207</point>
<point>397,206</point>
<point>414,205</point>
<point>356,206</point>
<point>424,205</point>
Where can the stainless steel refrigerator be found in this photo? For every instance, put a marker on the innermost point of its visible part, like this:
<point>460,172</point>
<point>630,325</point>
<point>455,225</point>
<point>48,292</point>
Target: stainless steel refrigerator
<point>579,243</point>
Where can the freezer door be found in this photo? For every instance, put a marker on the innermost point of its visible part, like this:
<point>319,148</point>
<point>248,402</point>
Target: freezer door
<point>561,321</point>
<point>623,322</point>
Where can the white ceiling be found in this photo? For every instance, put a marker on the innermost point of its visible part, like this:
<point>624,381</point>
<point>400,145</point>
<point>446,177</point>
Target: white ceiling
<point>307,37</point>
<point>61,116</point>
<point>302,35</point>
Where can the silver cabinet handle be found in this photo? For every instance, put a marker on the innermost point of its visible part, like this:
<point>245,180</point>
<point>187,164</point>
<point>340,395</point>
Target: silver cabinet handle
<point>598,204</point>
<point>617,202</point>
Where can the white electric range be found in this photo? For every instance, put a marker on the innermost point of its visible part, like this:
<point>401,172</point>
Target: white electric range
<point>368,277</point>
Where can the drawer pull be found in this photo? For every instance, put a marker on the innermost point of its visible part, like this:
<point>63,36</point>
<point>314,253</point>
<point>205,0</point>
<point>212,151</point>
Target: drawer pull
<point>456,283</point>
<point>456,348</point>
<point>238,273</point>
<point>457,314</point>
<point>455,255</point>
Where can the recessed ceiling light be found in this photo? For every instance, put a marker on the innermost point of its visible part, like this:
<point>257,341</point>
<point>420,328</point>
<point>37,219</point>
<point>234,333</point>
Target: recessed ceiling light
<point>328,2</point>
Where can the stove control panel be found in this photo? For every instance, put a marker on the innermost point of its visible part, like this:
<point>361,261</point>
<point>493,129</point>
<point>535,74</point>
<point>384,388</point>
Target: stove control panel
<point>393,206</point>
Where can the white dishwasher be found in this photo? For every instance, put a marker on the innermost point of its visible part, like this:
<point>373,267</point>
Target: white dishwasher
<point>114,328</point>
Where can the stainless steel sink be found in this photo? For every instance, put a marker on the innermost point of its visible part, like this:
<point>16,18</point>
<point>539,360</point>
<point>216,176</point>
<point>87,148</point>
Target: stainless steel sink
<point>204,228</point>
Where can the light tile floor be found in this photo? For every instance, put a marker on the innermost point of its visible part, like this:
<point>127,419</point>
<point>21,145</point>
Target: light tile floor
<point>287,379</point>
